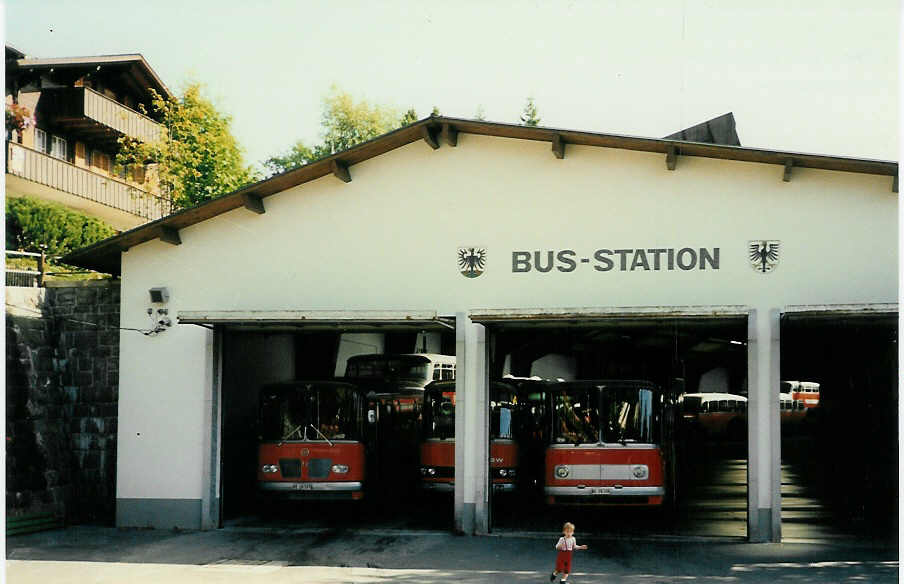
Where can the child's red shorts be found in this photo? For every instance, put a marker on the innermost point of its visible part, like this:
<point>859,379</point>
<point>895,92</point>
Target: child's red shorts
<point>563,561</point>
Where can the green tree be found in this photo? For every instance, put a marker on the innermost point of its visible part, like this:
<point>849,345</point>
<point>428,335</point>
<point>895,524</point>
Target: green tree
<point>197,157</point>
<point>409,117</point>
<point>32,224</point>
<point>344,122</point>
<point>530,116</point>
<point>435,111</point>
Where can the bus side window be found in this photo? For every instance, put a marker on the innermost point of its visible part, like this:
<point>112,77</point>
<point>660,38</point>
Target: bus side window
<point>436,372</point>
<point>723,405</point>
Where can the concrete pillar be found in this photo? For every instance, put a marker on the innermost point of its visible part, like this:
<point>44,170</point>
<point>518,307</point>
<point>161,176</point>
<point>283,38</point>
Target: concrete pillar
<point>763,432</point>
<point>471,428</point>
<point>210,473</point>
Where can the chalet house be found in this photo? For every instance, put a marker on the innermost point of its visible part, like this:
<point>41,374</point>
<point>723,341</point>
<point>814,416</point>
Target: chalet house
<point>76,110</point>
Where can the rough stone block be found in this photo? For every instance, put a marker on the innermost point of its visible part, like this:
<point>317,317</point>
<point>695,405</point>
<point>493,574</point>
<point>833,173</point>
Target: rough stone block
<point>84,379</point>
<point>64,296</point>
<point>86,297</point>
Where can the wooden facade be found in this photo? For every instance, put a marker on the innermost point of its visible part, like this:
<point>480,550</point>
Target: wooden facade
<point>66,177</point>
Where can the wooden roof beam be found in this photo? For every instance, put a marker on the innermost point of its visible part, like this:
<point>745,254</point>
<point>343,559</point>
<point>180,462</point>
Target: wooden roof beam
<point>449,135</point>
<point>253,203</point>
<point>789,164</point>
<point>429,135</point>
<point>340,170</point>
<point>170,235</point>
<point>558,146</point>
<point>671,158</point>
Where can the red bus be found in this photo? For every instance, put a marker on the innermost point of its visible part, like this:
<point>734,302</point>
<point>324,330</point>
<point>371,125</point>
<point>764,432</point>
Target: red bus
<point>312,440</point>
<point>438,445</point>
<point>605,444</point>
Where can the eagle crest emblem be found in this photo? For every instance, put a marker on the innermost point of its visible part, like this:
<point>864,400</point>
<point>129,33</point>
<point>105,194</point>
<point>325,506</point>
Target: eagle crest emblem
<point>472,261</point>
<point>764,255</point>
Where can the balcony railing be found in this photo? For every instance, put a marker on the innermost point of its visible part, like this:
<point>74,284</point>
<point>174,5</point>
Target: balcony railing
<point>63,176</point>
<point>83,110</point>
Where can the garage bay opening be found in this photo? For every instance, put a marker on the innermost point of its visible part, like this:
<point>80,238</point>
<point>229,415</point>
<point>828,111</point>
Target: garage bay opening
<point>839,422</point>
<point>322,421</point>
<point>624,424</point>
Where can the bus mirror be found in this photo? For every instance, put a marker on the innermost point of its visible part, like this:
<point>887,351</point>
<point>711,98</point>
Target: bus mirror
<point>372,416</point>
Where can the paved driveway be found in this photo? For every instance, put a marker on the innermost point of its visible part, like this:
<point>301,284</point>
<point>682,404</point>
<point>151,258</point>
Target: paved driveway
<point>233,555</point>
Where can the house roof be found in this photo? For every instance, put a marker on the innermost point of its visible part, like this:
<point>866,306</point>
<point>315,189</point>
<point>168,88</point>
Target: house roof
<point>131,60</point>
<point>104,256</point>
<point>719,130</point>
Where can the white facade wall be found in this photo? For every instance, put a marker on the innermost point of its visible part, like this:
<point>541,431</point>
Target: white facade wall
<point>388,240</point>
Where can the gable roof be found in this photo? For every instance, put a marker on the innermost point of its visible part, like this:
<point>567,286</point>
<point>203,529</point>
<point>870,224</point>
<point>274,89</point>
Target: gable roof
<point>104,256</point>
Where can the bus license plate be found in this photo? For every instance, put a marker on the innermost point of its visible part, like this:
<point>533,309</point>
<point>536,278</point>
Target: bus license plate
<point>303,486</point>
<point>601,490</point>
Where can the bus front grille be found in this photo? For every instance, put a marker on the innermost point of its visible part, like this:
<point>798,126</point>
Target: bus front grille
<point>319,468</point>
<point>290,467</point>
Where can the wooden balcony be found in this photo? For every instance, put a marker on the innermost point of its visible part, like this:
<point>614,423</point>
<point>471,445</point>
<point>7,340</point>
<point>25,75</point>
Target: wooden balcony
<point>93,117</point>
<point>62,176</point>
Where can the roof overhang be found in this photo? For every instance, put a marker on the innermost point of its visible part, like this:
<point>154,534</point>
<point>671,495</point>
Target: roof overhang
<point>104,256</point>
<point>136,60</point>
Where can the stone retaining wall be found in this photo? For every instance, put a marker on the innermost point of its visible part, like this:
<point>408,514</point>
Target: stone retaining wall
<point>62,383</point>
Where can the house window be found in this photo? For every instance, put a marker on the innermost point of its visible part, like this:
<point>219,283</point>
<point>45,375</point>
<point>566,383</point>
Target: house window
<point>58,147</point>
<point>41,141</point>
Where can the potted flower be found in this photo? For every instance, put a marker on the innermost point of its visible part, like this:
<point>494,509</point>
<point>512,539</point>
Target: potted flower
<point>18,119</point>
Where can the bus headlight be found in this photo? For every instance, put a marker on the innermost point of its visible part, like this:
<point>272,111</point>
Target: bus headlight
<point>502,472</point>
<point>268,468</point>
<point>428,471</point>
<point>640,471</point>
<point>562,471</point>
<point>339,468</point>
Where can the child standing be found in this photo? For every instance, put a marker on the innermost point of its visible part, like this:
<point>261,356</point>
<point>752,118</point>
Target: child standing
<point>566,546</point>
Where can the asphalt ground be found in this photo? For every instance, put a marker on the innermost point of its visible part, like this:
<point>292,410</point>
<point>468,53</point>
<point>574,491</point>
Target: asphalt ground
<point>340,555</point>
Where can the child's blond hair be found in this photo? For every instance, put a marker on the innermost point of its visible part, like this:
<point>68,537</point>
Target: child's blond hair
<point>568,525</point>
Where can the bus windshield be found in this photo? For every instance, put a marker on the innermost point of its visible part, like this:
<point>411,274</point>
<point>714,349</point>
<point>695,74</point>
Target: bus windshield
<point>627,414</point>
<point>379,366</point>
<point>310,412</point>
<point>439,415</point>
<point>692,404</point>
<point>576,416</point>
<point>595,414</point>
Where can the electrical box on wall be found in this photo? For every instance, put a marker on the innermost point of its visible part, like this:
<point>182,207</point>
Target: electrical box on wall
<point>159,295</point>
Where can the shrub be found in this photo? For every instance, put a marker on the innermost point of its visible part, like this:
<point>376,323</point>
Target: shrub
<point>31,224</point>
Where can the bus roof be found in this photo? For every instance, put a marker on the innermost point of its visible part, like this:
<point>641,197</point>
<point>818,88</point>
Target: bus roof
<point>432,357</point>
<point>448,385</point>
<point>602,384</point>
<point>714,396</point>
<point>300,383</point>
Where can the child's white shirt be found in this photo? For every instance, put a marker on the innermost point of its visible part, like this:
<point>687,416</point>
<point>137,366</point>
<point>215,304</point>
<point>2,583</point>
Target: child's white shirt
<point>566,543</point>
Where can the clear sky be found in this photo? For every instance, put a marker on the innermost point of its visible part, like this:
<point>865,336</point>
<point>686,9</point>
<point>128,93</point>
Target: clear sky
<point>816,76</point>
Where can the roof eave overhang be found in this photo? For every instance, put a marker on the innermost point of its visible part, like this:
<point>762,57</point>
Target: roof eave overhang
<point>104,256</point>
<point>106,60</point>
